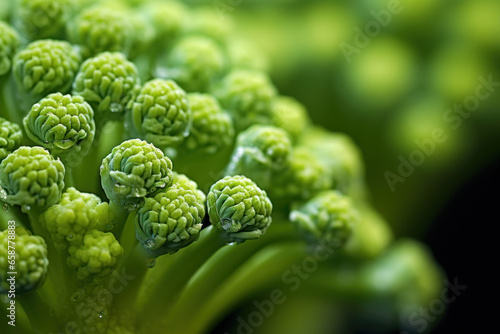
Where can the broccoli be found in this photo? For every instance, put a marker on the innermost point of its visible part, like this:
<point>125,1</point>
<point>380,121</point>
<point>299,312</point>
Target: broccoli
<point>152,174</point>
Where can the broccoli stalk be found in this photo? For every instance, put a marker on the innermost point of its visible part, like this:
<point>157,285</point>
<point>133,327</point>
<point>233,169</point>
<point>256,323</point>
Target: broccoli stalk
<point>164,224</point>
<point>133,170</point>
<point>239,210</point>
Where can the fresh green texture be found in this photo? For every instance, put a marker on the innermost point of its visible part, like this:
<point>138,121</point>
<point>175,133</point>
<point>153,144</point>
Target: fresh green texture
<point>194,63</point>
<point>160,113</point>
<point>38,19</point>
<point>108,82</point>
<point>46,66</point>
<point>170,220</point>
<point>212,129</point>
<point>101,28</point>
<point>74,215</point>
<point>10,137</point>
<point>133,170</point>
<point>64,125</point>
<point>239,209</point>
<point>9,42</point>
<point>96,257</point>
<point>30,260</point>
<point>302,178</point>
<point>341,157</point>
<point>290,115</point>
<point>327,218</point>
<point>169,18</point>
<point>30,176</point>
<point>247,95</point>
<point>260,152</point>
<point>244,54</point>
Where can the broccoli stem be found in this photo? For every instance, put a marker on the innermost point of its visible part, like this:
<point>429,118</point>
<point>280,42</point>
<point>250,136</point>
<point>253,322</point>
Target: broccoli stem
<point>59,274</point>
<point>120,216</point>
<point>38,314</point>
<point>136,266</point>
<point>8,100</point>
<point>225,262</point>
<point>263,271</point>
<point>177,275</point>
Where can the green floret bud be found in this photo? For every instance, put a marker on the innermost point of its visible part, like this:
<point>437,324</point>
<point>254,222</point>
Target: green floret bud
<point>108,82</point>
<point>133,170</point>
<point>246,55</point>
<point>186,183</point>
<point>10,137</point>
<point>247,95</point>
<point>74,215</point>
<point>31,262</point>
<point>171,220</point>
<point>97,257</point>
<point>38,19</point>
<point>46,66</point>
<point>160,113</point>
<point>102,28</point>
<point>290,115</point>
<point>304,177</point>
<point>64,125</point>
<point>239,209</point>
<point>169,19</point>
<point>341,157</point>
<point>326,218</point>
<point>260,151</point>
<point>30,176</point>
<point>212,128</point>
<point>208,22</point>
<point>195,62</point>
<point>9,42</point>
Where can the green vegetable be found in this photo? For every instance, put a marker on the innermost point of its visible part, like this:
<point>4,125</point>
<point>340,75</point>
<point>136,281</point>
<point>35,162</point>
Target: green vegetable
<point>74,215</point>
<point>133,170</point>
<point>212,128</point>
<point>96,257</point>
<point>108,82</point>
<point>30,176</point>
<point>239,209</point>
<point>170,220</point>
<point>10,137</point>
<point>46,66</point>
<point>328,218</point>
<point>101,28</point>
<point>194,63</point>
<point>290,115</point>
<point>64,125</point>
<point>31,262</point>
<point>247,95</point>
<point>160,114</point>
<point>9,42</point>
<point>38,19</point>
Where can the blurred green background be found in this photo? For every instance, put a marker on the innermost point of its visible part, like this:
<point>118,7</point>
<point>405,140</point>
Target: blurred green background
<point>419,61</point>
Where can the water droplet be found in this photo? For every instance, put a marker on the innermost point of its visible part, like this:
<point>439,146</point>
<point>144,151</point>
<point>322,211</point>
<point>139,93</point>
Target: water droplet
<point>102,314</point>
<point>109,227</point>
<point>70,237</point>
<point>150,262</point>
<point>25,208</point>
<point>6,207</point>
<point>3,194</point>
<point>115,108</point>
<point>150,243</point>
<point>130,206</point>
<point>226,223</point>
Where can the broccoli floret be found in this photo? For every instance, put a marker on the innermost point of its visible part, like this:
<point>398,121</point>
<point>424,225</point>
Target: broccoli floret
<point>9,42</point>
<point>64,125</point>
<point>160,113</point>
<point>74,215</point>
<point>239,209</point>
<point>10,137</point>
<point>108,82</point>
